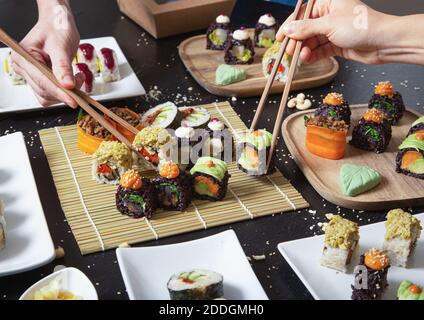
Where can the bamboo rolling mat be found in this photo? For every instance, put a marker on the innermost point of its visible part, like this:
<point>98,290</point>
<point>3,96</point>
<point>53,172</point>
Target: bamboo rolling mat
<point>97,225</point>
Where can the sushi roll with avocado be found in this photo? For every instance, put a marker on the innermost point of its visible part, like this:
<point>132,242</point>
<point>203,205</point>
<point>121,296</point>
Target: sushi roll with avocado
<point>336,107</point>
<point>110,161</point>
<point>409,291</point>
<point>165,115</point>
<point>153,144</point>
<point>268,62</point>
<point>265,31</point>
<point>196,117</point>
<point>253,152</point>
<point>135,196</point>
<point>173,187</point>
<point>417,126</point>
<point>87,54</point>
<point>389,101</point>
<point>88,85</point>
<point>210,179</point>
<point>240,49</point>
<point>15,79</point>
<point>108,65</point>
<point>218,33</point>
<point>196,285</point>
<point>410,158</point>
<point>373,132</point>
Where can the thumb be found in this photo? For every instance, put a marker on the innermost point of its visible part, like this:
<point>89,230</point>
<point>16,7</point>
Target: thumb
<point>62,68</point>
<point>305,29</point>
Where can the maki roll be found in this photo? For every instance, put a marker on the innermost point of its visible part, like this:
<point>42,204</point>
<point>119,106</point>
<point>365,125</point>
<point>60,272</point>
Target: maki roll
<point>210,179</point>
<point>402,233</point>
<point>108,65</point>
<point>417,126</point>
<point>110,161</point>
<point>153,144</point>
<point>219,139</point>
<point>334,106</point>
<point>87,54</point>
<point>135,196</point>
<point>268,62</point>
<point>373,132</point>
<point>341,240</point>
<point>410,158</point>
<point>15,79</point>
<point>88,84</point>
<point>173,187</point>
<point>194,117</point>
<point>388,101</point>
<point>253,151</point>
<point>218,33</point>
<point>165,115</point>
<point>2,226</point>
<point>409,291</point>
<point>196,285</point>
<point>239,49</point>
<point>265,31</point>
<point>375,265</point>
<point>187,139</point>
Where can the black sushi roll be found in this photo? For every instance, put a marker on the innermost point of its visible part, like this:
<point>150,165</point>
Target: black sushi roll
<point>135,196</point>
<point>373,132</point>
<point>173,187</point>
<point>218,33</point>
<point>417,126</point>
<point>388,101</point>
<point>265,31</point>
<point>219,143</point>
<point>190,144</point>
<point>239,49</point>
<point>334,106</point>
<point>410,158</point>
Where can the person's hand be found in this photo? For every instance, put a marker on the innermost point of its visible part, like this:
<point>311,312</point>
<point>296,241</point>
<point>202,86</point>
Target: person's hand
<point>347,29</point>
<point>53,41</point>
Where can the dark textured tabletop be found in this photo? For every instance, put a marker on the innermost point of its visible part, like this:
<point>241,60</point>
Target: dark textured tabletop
<point>159,68</point>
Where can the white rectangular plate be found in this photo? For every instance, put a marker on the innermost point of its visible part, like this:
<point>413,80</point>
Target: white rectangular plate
<point>146,271</point>
<point>21,98</point>
<point>326,284</point>
<point>28,241</point>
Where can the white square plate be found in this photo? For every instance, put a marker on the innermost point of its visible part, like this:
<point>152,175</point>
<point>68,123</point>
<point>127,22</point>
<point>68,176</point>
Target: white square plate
<point>28,241</point>
<point>146,271</point>
<point>21,98</point>
<point>326,284</point>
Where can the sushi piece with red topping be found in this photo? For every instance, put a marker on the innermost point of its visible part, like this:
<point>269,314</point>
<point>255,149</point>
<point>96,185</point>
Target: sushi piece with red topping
<point>108,65</point>
<point>86,53</point>
<point>88,85</point>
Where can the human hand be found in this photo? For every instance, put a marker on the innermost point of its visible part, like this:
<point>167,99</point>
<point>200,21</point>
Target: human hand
<point>53,41</point>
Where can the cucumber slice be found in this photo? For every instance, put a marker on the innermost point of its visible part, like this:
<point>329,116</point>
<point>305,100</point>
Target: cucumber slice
<point>164,116</point>
<point>194,117</point>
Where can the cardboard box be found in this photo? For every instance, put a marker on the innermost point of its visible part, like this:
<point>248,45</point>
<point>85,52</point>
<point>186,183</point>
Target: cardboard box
<point>163,18</point>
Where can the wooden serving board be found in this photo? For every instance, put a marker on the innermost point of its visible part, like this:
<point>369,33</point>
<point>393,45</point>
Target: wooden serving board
<point>202,64</point>
<point>395,190</point>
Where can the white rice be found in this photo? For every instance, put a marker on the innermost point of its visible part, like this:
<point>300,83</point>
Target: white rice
<point>335,258</point>
<point>101,179</point>
<point>399,250</point>
<point>109,75</point>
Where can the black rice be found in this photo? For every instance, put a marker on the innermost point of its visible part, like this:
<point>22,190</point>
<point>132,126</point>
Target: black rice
<point>224,26</point>
<point>230,58</point>
<point>393,107</point>
<point>416,128</point>
<point>173,194</point>
<point>371,136</point>
<point>261,27</point>
<point>399,169</point>
<point>338,113</point>
<point>126,205</point>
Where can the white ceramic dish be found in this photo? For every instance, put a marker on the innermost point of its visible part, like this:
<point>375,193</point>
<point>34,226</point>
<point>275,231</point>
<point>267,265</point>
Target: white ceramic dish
<point>72,280</point>
<point>326,284</point>
<point>147,270</point>
<point>21,98</point>
<point>28,241</point>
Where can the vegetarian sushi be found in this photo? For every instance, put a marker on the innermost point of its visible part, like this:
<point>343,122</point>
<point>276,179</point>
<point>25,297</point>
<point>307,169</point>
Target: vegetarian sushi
<point>417,126</point>
<point>165,115</point>
<point>218,33</point>
<point>135,196</point>
<point>409,291</point>
<point>108,65</point>
<point>335,107</point>
<point>15,79</point>
<point>268,62</point>
<point>373,132</point>
<point>265,31</point>
<point>86,54</point>
<point>110,161</point>
<point>88,84</point>
<point>196,117</point>
<point>371,280</point>
<point>210,179</point>
<point>219,144</point>
<point>91,133</point>
<point>410,158</point>
<point>196,285</point>
<point>341,240</point>
<point>402,233</point>
<point>173,187</point>
<point>153,144</point>
<point>240,49</point>
<point>187,139</point>
<point>389,101</point>
<point>2,226</point>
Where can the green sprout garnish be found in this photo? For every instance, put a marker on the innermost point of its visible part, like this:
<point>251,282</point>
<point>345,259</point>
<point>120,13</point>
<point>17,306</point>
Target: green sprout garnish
<point>372,133</point>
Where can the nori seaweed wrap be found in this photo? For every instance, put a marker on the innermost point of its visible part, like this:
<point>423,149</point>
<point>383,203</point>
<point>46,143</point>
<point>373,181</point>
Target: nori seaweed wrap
<point>265,31</point>
<point>334,106</point>
<point>135,196</point>
<point>239,49</point>
<point>373,132</point>
<point>388,101</point>
<point>410,158</point>
<point>218,33</point>
<point>173,187</point>
<point>417,126</point>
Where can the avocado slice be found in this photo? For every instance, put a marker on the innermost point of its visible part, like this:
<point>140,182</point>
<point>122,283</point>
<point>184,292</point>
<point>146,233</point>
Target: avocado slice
<point>417,167</point>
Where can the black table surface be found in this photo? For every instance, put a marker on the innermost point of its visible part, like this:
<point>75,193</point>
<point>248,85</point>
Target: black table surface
<point>158,66</point>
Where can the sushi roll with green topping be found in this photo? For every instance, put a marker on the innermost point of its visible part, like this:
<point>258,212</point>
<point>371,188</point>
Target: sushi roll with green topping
<point>14,78</point>
<point>410,158</point>
<point>194,117</point>
<point>389,101</point>
<point>196,285</point>
<point>265,31</point>
<point>165,115</point>
<point>409,291</point>
<point>218,33</point>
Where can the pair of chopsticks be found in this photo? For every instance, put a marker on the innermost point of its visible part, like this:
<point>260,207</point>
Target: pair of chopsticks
<point>293,65</point>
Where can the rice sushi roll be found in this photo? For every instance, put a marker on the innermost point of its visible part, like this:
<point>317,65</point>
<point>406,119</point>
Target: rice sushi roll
<point>268,62</point>
<point>373,132</point>
<point>88,85</point>
<point>196,285</point>
<point>173,187</point>
<point>402,233</point>
<point>108,65</point>
<point>389,101</point>
<point>265,31</point>
<point>135,196</point>
<point>196,117</point>
<point>210,179</point>
<point>165,115</point>
<point>153,144</point>
<point>15,79</point>
<point>220,140</point>
<point>341,240</point>
<point>410,158</point>
<point>409,291</point>
<point>110,161</point>
<point>417,126</point>
<point>187,139</point>
<point>240,49</point>
<point>335,107</point>
<point>218,33</point>
<point>86,53</point>
<point>2,226</point>
<point>375,266</point>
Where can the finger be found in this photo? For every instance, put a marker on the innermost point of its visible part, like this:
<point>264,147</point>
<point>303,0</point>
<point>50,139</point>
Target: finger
<point>280,34</point>
<point>305,29</point>
<point>324,51</point>
<point>62,68</point>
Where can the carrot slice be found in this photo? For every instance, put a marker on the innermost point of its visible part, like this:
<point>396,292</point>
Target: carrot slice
<point>326,143</point>
<point>409,158</point>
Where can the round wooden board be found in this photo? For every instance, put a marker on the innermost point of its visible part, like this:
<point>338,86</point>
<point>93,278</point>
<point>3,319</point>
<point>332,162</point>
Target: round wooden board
<point>395,190</point>
<point>202,64</point>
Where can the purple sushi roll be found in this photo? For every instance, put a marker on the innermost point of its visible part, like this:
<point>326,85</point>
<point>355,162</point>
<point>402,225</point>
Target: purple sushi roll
<point>417,126</point>
<point>265,31</point>
<point>239,49</point>
<point>218,33</point>
<point>388,101</point>
<point>410,158</point>
<point>336,107</point>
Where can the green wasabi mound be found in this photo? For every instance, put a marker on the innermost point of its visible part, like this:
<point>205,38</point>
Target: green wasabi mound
<point>409,291</point>
<point>355,180</point>
<point>226,74</point>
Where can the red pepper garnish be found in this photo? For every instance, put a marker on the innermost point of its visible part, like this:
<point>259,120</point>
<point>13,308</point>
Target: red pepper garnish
<point>104,168</point>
